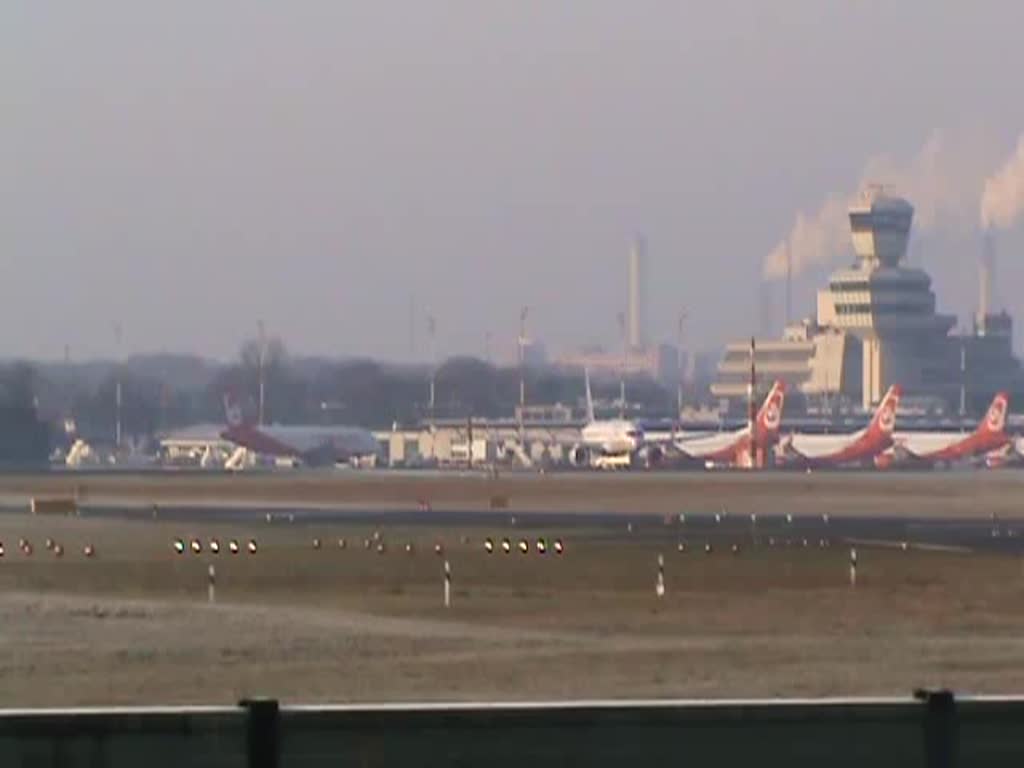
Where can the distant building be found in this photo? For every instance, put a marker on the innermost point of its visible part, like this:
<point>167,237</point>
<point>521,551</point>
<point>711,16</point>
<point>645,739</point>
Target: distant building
<point>535,354</point>
<point>812,360</point>
<point>877,325</point>
<point>660,363</point>
<point>539,414</point>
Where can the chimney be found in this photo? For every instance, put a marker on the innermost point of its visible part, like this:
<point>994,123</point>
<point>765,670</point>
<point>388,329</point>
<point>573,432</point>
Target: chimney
<point>986,276</point>
<point>637,300</point>
<point>789,286</point>
<point>766,309</point>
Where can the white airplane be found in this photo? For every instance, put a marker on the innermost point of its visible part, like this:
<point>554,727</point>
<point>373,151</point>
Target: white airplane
<point>858,449</point>
<point>1011,455</point>
<point>731,449</point>
<point>606,443</point>
<point>308,445</point>
<point>948,448</point>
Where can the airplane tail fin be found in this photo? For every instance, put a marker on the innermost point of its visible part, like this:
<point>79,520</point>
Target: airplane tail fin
<point>590,398</point>
<point>770,416</point>
<point>995,418</point>
<point>884,421</point>
<point>233,411</point>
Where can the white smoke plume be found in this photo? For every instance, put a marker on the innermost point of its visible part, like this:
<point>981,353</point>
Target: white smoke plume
<point>943,181</point>
<point>1002,200</point>
<point>814,239</point>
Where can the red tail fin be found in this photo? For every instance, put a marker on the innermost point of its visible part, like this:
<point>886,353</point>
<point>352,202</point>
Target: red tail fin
<point>770,416</point>
<point>995,419</point>
<point>233,410</point>
<point>884,420</point>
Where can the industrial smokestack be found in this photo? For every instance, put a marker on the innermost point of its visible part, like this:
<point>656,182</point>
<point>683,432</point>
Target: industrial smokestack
<point>412,326</point>
<point>986,275</point>
<point>766,310</point>
<point>751,385</point>
<point>751,407</point>
<point>789,286</point>
<point>637,299</point>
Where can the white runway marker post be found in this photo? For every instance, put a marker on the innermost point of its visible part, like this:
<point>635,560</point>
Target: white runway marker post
<point>447,584</point>
<point>659,585</point>
<point>211,584</point>
<point>853,567</point>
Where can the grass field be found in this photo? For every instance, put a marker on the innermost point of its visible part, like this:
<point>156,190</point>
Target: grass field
<point>132,624</point>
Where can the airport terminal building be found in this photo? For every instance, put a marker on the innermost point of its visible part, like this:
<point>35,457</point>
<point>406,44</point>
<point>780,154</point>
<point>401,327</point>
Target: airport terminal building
<point>877,324</point>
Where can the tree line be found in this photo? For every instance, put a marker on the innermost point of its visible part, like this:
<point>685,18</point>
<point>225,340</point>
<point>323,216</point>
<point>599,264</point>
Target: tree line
<point>158,396</point>
<point>24,437</point>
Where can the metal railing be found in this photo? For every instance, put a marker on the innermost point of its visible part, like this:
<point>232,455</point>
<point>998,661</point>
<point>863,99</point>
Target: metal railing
<point>931,729</point>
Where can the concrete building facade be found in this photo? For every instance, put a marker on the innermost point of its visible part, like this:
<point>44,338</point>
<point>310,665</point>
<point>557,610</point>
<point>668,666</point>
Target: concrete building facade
<point>890,308</point>
<point>877,324</point>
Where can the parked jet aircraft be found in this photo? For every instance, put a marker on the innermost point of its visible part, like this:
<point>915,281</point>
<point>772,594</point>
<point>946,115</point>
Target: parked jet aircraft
<point>733,448</point>
<point>947,448</point>
<point>857,449</point>
<point>606,443</point>
<point>310,445</point>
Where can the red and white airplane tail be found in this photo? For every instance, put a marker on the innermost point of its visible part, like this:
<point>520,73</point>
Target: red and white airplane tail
<point>769,417</point>
<point>234,414</point>
<point>994,422</point>
<point>884,421</point>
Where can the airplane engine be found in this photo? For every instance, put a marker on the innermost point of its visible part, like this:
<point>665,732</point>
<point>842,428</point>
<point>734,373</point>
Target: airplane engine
<point>652,456</point>
<point>579,456</point>
<point>996,460</point>
<point>884,460</point>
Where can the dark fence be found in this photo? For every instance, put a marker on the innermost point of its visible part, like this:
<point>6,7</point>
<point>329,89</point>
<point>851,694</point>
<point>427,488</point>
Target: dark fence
<point>929,730</point>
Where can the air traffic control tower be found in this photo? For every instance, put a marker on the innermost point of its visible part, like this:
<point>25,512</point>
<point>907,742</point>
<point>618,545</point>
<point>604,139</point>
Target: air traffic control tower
<point>890,307</point>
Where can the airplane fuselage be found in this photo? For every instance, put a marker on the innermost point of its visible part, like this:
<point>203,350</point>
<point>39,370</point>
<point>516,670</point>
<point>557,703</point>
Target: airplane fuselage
<point>312,444</point>
<point>945,447</point>
<point>836,450</point>
<point>612,437</point>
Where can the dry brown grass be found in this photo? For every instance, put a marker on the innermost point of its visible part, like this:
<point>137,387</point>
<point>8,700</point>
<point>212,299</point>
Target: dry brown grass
<point>132,624</point>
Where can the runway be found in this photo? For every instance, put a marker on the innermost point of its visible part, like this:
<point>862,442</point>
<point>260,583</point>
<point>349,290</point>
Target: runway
<point>955,495</point>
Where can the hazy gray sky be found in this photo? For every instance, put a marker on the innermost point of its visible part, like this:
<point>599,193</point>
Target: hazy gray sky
<point>189,167</point>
